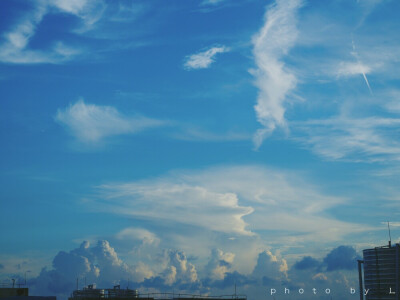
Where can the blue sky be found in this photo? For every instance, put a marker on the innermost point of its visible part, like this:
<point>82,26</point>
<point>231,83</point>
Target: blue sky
<point>201,142</point>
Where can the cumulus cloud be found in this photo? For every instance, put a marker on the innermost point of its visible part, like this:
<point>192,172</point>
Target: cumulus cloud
<point>98,264</point>
<point>273,79</point>
<point>177,272</point>
<point>314,273</point>
<point>102,265</point>
<point>270,268</point>
<point>91,123</point>
<point>178,268</point>
<point>204,59</point>
<point>141,271</point>
<point>341,258</point>
<point>220,263</point>
<point>306,262</point>
<point>320,277</point>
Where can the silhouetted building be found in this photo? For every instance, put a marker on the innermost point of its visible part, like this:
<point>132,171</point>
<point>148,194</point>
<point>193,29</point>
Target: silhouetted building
<point>116,293</point>
<point>18,293</point>
<point>379,273</point>
<point>13,292</point>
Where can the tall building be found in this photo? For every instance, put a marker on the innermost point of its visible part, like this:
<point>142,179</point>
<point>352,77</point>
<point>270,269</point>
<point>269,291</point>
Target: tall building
<point>379,275</point>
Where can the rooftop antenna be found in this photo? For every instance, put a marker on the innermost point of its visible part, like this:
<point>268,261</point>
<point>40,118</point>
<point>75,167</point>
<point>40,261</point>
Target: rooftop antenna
<point>390,237</point>
<point>235,291</point>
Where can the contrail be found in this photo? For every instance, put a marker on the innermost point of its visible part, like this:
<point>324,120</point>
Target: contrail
<point>355,54</point>
<point>366,81</point>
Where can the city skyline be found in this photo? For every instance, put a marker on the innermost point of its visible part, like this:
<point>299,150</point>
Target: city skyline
<point>196,144</point>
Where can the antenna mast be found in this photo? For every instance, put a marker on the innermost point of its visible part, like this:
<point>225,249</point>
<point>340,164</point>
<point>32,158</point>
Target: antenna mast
<point>390,237</point>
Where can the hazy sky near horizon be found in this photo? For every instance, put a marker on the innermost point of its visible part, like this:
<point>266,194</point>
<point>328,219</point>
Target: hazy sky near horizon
<point>226,131</point>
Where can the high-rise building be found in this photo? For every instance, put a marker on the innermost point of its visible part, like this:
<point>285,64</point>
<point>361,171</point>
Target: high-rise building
<point>379,273</point>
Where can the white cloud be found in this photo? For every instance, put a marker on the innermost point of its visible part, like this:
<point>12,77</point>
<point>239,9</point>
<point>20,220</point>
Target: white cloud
<point>354,139</point>
<point>91,123</point>
<point>349,69</point>
<point>320,277</point>
<point>189,133</point>
<point>177,268</point>
<point>98,264</point>
<point>332,63</point>
<point>220,263</point>
<point>233,201</point>
<point>15,48</point>
<point>281,201</point>
<point>203,60</point>
<point>356,126</point>
<point>211,2</point>
<point>271,266</point>
<point>141,271</point>
<point>139,234</point>
<point>352,68</point>
<point>273,79</point>
<point>392,224</point>
<point>166,200</point>
<point>87,10</point>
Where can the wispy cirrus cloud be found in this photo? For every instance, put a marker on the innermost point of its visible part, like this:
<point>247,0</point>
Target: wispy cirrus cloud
<point>89,12</point>
<point>353,139</point>
<point>204,59</point>
<point>352,68</point>
<point>360,117</point>
<point>15,49</point>
<point>273,79</point>
<point>188,133</point>
<point>90,123</point>
<point>355,68</point>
